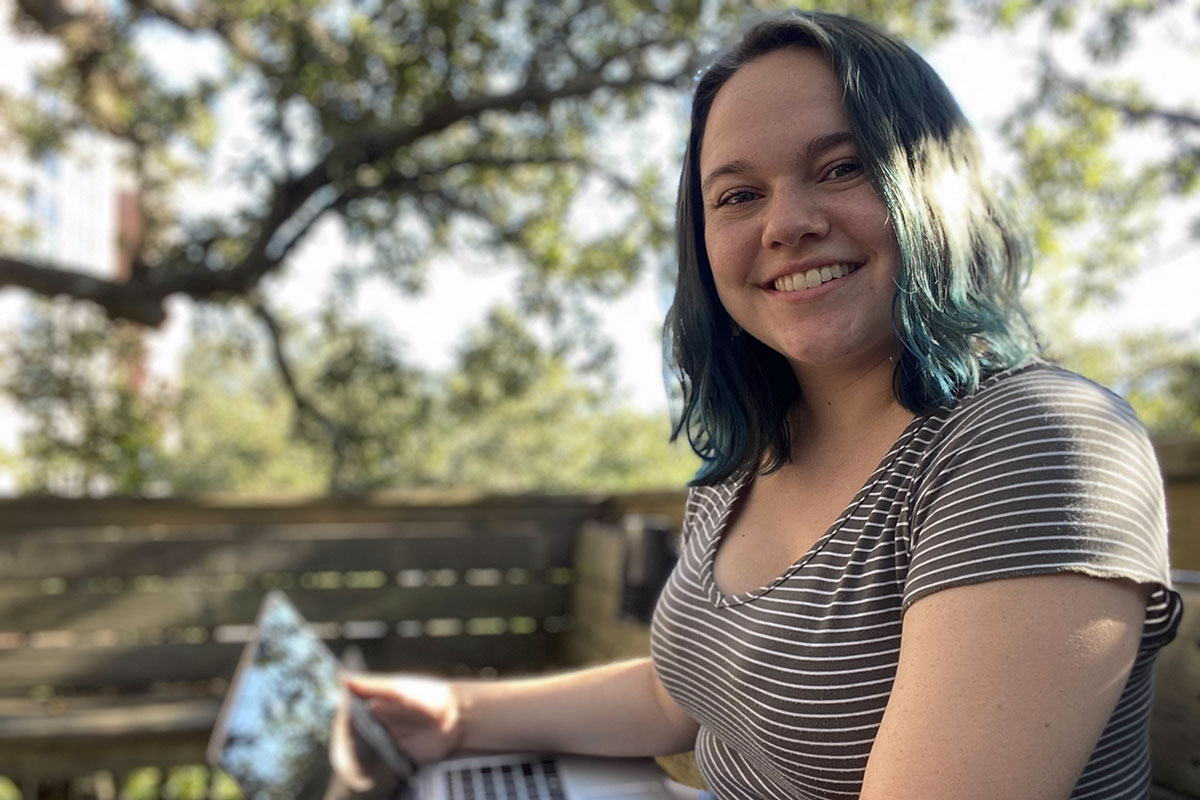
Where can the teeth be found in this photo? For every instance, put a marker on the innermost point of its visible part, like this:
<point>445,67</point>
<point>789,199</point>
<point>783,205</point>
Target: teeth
<point>811,279</point>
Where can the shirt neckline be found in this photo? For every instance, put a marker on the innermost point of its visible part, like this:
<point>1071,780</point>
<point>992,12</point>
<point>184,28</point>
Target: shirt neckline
<point>738,486</point>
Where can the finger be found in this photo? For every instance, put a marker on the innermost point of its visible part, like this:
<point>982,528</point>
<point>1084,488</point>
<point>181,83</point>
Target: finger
<point>366,684</point>
<point>417,698</point>
<point>343,753</point>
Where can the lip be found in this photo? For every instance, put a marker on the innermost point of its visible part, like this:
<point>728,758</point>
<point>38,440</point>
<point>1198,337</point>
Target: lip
<point>798,268</point>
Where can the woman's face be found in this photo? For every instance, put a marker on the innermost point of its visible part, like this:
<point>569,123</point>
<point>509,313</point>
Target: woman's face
<point>802,251</point>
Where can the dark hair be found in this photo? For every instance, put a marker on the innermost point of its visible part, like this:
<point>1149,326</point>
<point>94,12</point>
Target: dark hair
<point>964,257</point>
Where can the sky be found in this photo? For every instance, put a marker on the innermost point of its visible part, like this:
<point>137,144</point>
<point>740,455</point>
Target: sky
<point>986,73</point>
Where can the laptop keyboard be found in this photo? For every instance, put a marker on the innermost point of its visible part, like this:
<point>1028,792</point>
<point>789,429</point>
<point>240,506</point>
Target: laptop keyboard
<point>528,780</point>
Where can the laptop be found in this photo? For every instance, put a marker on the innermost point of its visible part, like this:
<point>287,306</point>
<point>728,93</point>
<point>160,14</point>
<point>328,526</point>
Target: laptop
<point>272,735</point>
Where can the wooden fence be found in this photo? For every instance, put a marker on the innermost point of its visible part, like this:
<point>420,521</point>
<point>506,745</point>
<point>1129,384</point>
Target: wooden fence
<point>1180,461</point>
<point>121,621</point>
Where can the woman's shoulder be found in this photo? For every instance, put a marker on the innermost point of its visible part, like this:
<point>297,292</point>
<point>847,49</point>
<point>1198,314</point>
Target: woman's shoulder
<point>1043,381</point>
<point>1040,470</point>
<point>1039,418</point>
<point>1042,396</point>
<point>708,504</point>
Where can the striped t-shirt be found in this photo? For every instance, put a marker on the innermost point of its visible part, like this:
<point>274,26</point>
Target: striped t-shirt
<point>1039,471</point>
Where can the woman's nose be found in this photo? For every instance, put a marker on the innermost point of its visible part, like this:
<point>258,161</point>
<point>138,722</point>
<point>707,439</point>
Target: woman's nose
<point>793,215</point>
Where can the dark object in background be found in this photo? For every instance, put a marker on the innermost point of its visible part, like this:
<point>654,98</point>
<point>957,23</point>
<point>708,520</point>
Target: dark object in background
<point>649,559</point>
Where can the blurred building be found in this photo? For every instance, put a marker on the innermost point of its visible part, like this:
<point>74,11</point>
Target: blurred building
<point>60,208</point>
<point>76,209</point>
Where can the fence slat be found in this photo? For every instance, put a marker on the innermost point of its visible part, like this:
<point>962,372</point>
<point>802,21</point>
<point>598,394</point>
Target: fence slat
<point>117,618</point>
<point>288,549</point>
<point>80,669</point>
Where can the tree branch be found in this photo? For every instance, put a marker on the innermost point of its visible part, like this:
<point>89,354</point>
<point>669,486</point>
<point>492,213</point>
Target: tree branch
<point>373,145</point>
<point>1131,110</point>
<point>396,183</point>
<point>279,229</point>
<point>194,21</point>
<point>128,300</point>
<point>305,409</point>
<point>292,194</point>
<point>504,235</point>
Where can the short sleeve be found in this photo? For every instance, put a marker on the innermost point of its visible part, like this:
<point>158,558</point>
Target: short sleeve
<point>691,510</point>
<point>1039,472</point>
<point>706,508</point>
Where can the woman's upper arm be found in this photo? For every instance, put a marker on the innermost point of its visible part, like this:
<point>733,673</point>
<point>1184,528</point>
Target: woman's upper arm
<point>1004,687</point>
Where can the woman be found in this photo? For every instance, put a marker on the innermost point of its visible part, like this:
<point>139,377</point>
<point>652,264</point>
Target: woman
<point>918,562</point>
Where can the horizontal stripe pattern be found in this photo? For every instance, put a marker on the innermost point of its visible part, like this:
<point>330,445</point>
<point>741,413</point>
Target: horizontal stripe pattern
<point>1040,471</point>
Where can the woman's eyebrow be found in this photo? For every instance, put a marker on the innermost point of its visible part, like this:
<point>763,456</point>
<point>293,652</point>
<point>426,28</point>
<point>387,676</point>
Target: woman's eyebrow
<point>728,168</point>
<point>828,141</point>
<point>811,150</point>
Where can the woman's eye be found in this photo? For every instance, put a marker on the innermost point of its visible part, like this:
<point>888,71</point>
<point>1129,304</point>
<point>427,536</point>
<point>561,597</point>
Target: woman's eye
<point>735,197</point>
<point>846,169</point>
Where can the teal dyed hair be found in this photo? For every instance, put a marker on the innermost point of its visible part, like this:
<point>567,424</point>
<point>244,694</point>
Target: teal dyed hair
<point>964,257</point>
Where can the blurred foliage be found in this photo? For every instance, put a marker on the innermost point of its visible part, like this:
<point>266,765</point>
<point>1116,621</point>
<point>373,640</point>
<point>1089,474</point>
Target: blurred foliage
<point>148,783</point>
<point>508,416</point>
<point>234,426</point>
<point>1108,171</point>
<point>1095,210</point>
<point>519,418</point>
<point>483,130</point>
<point>197,782</point>
<point>95,425</point>
<point>1158,373</point>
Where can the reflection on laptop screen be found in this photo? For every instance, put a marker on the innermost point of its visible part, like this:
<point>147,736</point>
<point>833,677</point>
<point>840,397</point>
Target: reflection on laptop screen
<point>274,732</point>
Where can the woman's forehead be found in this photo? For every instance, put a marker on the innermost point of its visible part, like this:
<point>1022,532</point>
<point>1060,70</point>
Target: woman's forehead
<point>787,95</point>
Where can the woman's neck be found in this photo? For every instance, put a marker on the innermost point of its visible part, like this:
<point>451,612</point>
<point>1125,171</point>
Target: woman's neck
<point>841,406</point>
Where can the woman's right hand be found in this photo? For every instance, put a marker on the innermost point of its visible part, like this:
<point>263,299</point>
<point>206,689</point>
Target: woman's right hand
<point>618,709</point>
<point>422,716</point>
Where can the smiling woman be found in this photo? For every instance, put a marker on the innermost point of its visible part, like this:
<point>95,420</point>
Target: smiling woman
<point>919,562</point>
<point>886,123</point>
<point>786,196</point>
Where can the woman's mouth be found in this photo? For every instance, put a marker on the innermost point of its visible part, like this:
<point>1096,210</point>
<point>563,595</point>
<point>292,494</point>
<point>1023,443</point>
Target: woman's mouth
<point>799,281</point>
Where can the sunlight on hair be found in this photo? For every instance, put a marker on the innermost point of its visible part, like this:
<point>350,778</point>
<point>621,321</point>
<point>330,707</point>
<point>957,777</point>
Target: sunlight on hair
<point>949,197</point>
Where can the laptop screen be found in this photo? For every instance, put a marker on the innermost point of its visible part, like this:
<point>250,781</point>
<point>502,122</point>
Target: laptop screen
<point>272,735</point>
